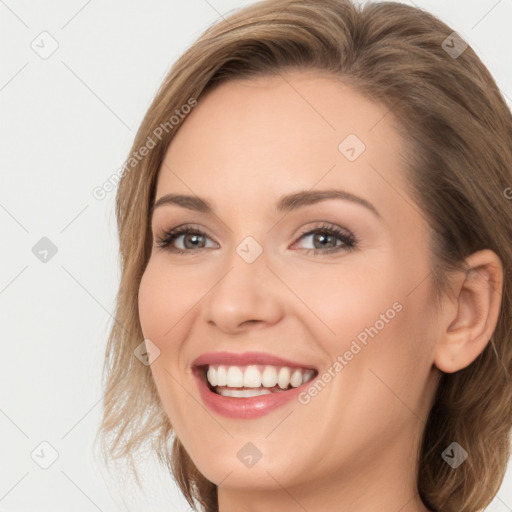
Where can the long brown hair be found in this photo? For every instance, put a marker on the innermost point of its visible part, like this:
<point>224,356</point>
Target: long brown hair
<point>458,131</point>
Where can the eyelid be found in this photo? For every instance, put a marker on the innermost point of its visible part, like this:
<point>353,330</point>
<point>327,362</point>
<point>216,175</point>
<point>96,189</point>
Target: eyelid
<point>180,230</point>
<point>347,237</point>
<point>324,225</point>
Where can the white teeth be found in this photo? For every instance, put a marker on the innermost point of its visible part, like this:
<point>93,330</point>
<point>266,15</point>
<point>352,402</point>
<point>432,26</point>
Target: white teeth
<point>211,375</point>
<point>244,393</point>
<point>296,378</point>
<point>269,376</point>
<point>307,375</point>
<point>222,376</point>
<point>252,377</point>
<point>257,376</point>
<point>283,378</point>
<point>235,377</point>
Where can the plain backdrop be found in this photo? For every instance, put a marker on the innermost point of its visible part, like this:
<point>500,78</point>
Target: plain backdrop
<point>76,78</point>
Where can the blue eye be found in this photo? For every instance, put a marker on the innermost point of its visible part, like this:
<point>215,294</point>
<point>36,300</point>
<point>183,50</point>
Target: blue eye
<point>194,239</point>
<point>190,235</point>
<point>326,235</point>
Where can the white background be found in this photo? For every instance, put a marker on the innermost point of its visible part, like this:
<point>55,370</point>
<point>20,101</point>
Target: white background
<point>67,125</point>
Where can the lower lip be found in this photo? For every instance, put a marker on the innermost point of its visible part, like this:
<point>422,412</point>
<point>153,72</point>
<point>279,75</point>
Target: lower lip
<point>244,408</point>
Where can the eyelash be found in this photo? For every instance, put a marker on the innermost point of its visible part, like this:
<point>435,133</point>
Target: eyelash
<point>349,241</point>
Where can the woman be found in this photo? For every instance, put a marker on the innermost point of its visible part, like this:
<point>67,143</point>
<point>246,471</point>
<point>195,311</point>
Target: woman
<point>315,234</point>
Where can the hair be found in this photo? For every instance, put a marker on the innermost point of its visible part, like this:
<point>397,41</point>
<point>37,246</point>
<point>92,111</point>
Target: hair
<point>457,131</point>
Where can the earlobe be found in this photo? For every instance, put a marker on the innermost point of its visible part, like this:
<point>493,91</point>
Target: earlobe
<point>477,296</point>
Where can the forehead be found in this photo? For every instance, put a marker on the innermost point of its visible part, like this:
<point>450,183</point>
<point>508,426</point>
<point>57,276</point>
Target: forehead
<point>249,140</point>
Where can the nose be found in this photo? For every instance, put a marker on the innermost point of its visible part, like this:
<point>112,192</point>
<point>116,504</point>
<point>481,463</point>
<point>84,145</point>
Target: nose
<point>247,295</point>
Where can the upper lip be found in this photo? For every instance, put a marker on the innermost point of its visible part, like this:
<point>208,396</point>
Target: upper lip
<point>246,358</point>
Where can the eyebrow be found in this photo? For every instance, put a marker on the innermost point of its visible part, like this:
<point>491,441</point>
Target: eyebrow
<point>285,204</point>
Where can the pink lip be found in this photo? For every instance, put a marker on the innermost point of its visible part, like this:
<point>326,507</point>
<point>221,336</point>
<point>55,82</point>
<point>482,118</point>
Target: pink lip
<point>244,408</point>
<point>246,358</point>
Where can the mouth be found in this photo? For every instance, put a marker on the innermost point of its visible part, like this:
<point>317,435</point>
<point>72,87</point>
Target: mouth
<point>253,380</point>
<point>249,385</point>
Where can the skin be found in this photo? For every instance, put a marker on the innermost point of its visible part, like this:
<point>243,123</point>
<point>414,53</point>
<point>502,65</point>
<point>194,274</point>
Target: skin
<point>353,446</point>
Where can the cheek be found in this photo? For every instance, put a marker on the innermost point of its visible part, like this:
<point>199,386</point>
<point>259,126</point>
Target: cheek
<point>165,296</point>
<point>391,371</point>
<point>162,303</point>
<point>151,300</point>
<point>368,317</point>
<point>339,301</point>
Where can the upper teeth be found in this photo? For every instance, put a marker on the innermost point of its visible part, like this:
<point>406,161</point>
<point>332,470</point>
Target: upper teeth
<point>254,376</point>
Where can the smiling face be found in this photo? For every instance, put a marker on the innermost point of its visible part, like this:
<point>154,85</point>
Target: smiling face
<point>271,264</point>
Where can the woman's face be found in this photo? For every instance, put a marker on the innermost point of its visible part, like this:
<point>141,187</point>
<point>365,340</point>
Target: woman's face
<point>335,284</point>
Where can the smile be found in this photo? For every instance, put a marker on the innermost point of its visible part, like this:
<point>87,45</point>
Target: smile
<point>249,385</point>
<point>255,380</point>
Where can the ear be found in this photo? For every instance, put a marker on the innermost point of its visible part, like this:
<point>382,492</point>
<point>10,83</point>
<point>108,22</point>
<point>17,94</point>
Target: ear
<point>473,312</point>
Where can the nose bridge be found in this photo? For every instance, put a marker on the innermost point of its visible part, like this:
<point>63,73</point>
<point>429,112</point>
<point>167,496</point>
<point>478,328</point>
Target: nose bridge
<point>246,291</point>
